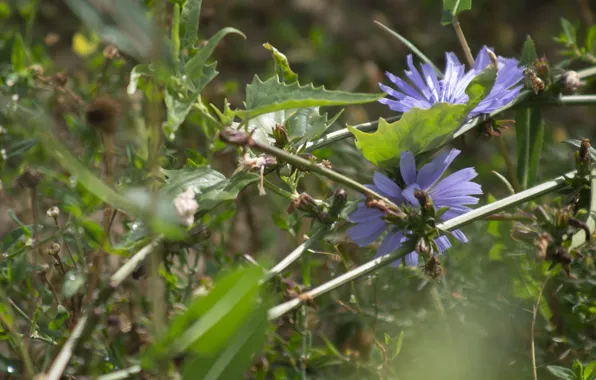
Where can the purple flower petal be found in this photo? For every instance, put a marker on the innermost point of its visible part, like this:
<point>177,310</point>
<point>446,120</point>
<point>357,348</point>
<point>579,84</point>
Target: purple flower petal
<point>365,214</point>
<point>388,187</point>
<point>407,167</point>
<point>460,236</point>
<point>443,243</point>
<point>364,234</point>
<point>431,172</point>
<point>412,259</point>
<point>391,242</point>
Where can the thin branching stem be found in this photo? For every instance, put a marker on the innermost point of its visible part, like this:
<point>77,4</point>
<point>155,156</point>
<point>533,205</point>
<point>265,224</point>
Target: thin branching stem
<point>87,322</point>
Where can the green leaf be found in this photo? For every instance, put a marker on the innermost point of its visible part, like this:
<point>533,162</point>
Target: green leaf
<point>59,319</point>
<point>21,147</point>
<point>189,23</point>
<point>569,31</point>
<point>528,55</point>
<point>480,87</point>
<point>14,236</point>
<point>178,106</point>
<point>226,191</point>
<point>579,238</point>
<point>237,356</point>
<point>306,124</point>
<point>19,55</point>
<point>272,95</point>
<point>535,144</point>
<point>452,8</point>
<point>282,66</point>
<point>418,131</point>
<point>196,63</point>
<point>578,369</point>
<point>212,320</point>
<point>398,345</point>
<point>590,38</point>
<point>136,73</point>
<point>199,179</point>
<point>561,372</point>
<point>73,282</point>
<point>522,131</point>
<point>589,373</point>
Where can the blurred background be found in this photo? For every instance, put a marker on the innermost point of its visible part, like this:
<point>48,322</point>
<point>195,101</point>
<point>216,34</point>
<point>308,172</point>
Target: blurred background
<point>473,324</point>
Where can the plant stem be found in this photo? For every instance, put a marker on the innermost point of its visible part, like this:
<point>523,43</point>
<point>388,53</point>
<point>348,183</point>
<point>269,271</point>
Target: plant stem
<point>279,191</point>
<point>505,203</point>
<point>313,167</point>
<point>508,163</point>
<point>122,374</point>
<point>585,73</point>
<point>534,311</point>
<point>462,41</point>
<point>343,133</point>
<point>450,225</point>
<point>575,100</point>
<point>16,338</point>
<point>87,322</point>
<point>297,253</point>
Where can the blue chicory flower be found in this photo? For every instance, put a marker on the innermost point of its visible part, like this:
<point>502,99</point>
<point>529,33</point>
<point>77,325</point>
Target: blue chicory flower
<point>425,90</point>
<point>454,191</point>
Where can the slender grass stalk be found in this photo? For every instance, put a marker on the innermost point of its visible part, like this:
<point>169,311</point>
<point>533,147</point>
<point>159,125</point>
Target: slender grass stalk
<point>450,225</point>
<point>87,322</point>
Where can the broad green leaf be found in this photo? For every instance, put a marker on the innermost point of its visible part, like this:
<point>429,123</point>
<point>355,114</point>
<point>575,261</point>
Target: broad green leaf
<point>282,66</point>
<point>536,141</point>
<point>418,130</point>
<point>561,372</point>
<point>569,31</point>
<point>189,23</point>
<point>528,55</point>
<point>226,191</point>
<point>589,373</point>
<point>480,87</point>
<point>19,55</point>
<point>237,355</point>
<point>522,131</point>
<point>452,8</point>
<point>211,321</point>
<point>272,95</point>
<point>196,63</point>
<point>199,179</point>
<point>398,344</point>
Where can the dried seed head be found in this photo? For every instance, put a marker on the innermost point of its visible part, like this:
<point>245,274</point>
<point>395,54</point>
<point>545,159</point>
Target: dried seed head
<point>53,212</point>
<point>432,268</point>
<point>186,206</point>
<point>29,179</point>
<point>102,114</point>
<point>584,150</point>
<point>53,249</point>
<point>110,52</point>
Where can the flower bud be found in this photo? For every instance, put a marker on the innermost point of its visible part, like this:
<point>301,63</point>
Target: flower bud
<point>53,212</point>
<point>281,136</point>
<point>570,82</point>
<point>584,150</point>
<point>432,268</point>
<point>110,52</point>
<point>423,199</point>
<point>53,249</point>
<point>339,201</point>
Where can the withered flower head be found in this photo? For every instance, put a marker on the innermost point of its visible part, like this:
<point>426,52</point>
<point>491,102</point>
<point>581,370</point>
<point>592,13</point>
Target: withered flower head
<point>102,114</point>
<point>30,178</point>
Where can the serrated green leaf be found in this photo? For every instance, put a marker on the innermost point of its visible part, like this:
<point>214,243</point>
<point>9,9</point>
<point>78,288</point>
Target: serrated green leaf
<point>536,141</point>
<point>528,55</point>
<point>418,131</point>
<point>18,56</point>
<point>189,23</point>
<point>195,64</point>
<point>561,372</point>
<point>569,31</point>
<point>282,66</point>
<point>452,8</point>
<point>226,191</point>
<point>272,95</point>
